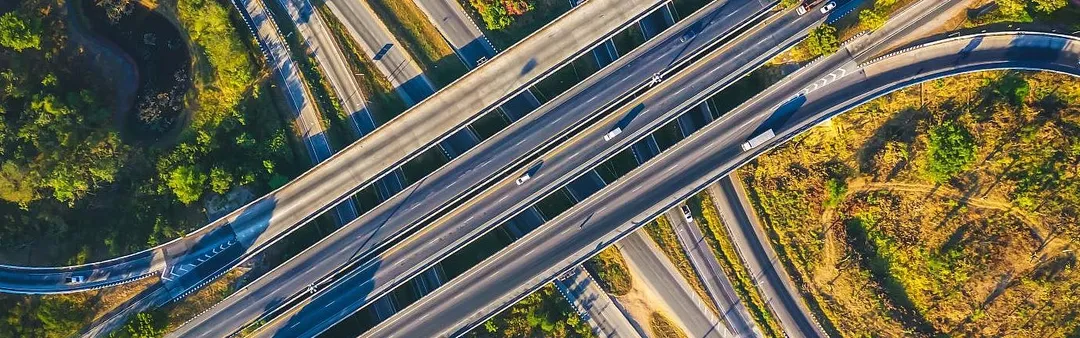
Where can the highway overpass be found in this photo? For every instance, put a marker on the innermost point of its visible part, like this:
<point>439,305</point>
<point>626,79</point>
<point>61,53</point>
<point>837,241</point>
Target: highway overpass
<point>808,97</point>
<point>464,176</point>
<point>201,256</point>
<point>582,152</point>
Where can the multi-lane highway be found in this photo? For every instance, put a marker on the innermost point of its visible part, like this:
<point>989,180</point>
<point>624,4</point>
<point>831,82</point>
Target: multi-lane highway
<point>462,175</point>
<point>706,156</point>
<point>206,253</point>
<point>468,222</point>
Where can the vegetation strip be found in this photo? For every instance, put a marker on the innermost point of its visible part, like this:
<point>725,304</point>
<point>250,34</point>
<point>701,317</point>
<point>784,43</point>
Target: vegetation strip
<point>611,271</point>
<point>663,234</point>
<point>720,242</point>
<point>382,102</point>
<point>331,113</point>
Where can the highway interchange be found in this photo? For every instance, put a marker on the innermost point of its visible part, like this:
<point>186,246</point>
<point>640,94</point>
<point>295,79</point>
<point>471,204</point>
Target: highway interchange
<point>474,193</point>
<point>458,179</point>
<point>614,211</point>
<point>244,233</point>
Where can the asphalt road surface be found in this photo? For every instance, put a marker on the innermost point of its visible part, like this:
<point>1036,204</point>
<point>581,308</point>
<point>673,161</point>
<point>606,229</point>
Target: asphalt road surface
<point>716,282</point>
<point>647,261</point>
<point>592,303</point>
<point>456,229</point>
<point>762,263</point>
<point>700,160</point>
<point>417,202</point>
<point>204,254</point>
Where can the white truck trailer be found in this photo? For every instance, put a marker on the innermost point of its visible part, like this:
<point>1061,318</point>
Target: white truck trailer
<point>758,140</point>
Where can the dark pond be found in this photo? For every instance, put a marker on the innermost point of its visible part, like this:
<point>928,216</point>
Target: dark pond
<point>161,57</point>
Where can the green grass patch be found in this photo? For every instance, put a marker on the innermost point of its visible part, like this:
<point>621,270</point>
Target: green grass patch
<point>544,313</point>
<point>663,234</point>
<point>491,123</point>
<point>617,166</point>
<point>668,135</point>
<point>555,204</point>
<point>630,38</point>
<point>421,40</point>
<point>425,163</point>
<point>610,269</point>
<point>708,219</point>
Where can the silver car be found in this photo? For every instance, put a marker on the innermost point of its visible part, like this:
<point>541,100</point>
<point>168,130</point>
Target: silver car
<point>686,214</point>
<point>828,7</point>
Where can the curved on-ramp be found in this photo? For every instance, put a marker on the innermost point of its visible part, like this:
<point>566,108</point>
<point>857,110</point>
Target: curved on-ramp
<point>805,99</point>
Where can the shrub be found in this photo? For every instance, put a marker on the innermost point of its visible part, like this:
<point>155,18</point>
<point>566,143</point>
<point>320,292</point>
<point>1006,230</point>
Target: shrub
<point>499,14</point>
<point>822,41</point>
<point>952,149</point>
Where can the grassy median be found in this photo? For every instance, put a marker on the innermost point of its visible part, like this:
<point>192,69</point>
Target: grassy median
<point>716,235</point>
<point>542,13</point>
<point>662,327</point>
<point>331,114</point>
<point>610,269</point>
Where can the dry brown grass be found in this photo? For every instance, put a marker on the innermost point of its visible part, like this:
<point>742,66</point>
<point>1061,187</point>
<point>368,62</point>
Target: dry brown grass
<point>985,254</point>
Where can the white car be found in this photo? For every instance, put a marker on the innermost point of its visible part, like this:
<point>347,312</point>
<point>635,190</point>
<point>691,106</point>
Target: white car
<point>523,178</point>
<point>71,280</point>
<point>828,7</point>
<point>611,134</point>
<point>686,214</point>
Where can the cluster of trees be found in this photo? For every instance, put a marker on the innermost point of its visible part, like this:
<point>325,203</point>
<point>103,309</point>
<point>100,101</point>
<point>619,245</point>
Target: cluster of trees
<point>951,150</point>
<point>499,14</point>
<point>1024,10</point>
<point>822,41</point>
<point>543,313</point>
<point>64,166</point>
<point>18,31</point>
<point>54,138</point>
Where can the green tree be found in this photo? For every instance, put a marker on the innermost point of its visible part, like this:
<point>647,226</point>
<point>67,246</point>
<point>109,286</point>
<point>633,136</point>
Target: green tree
<point>1013,10</point>
<point>18,33</point>
<point>836,189</point>
<point>187,183</point>
<point>220,180</point>
<point>1013,88</point>
<point>870,19</point>
<point>143,325</point>
<point>17,185</point>
<point>1049,6</point>
<point>822,41</point>
<point>951,150</point>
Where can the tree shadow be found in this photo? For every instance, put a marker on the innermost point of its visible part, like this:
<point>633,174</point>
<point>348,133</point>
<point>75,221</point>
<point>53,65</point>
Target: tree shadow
<point>868,255</point>
<point>899,128</point>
